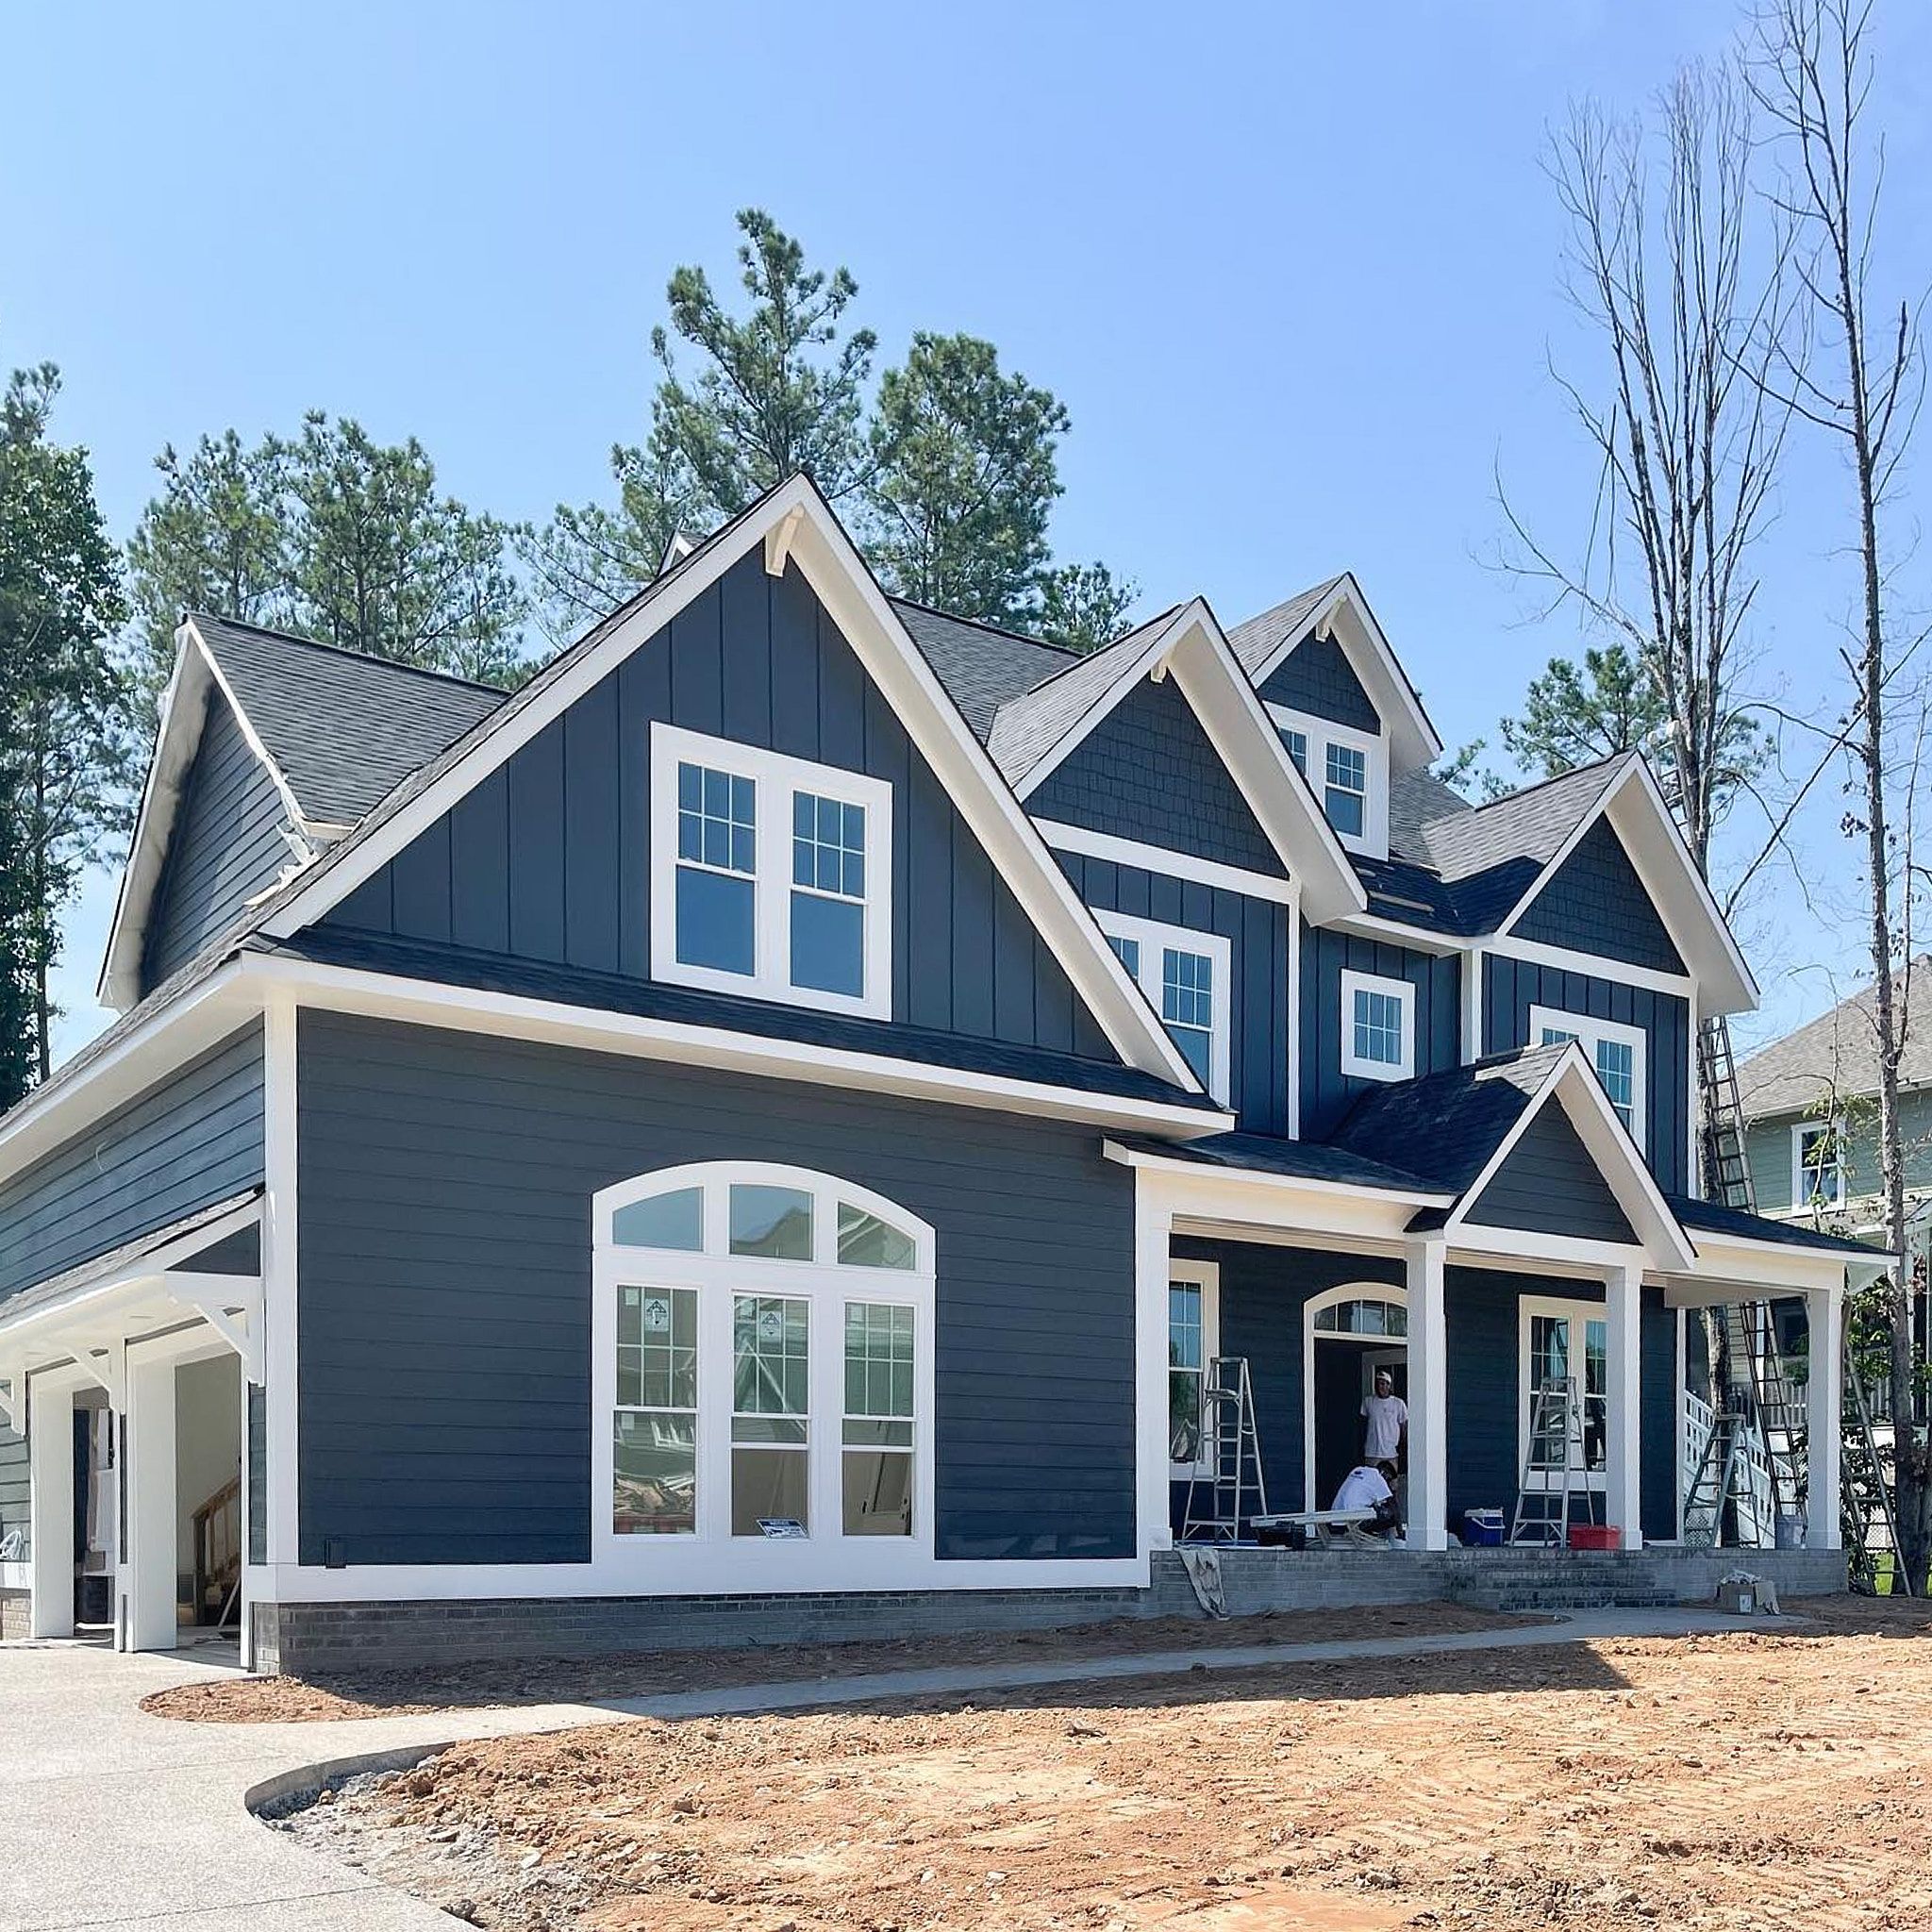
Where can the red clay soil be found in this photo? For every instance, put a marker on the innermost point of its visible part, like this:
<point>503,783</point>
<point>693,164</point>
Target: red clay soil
<point>572,1680</point>
<point>1750,1780</point>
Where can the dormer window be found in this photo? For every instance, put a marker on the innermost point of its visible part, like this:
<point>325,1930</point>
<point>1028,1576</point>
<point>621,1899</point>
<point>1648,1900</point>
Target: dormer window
<point>1347,769</point>
<point>770,875</point>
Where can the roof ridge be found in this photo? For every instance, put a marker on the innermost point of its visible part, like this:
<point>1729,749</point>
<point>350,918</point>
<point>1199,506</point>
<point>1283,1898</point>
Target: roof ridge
<point>1294,598</point>
<point>1092,656</point>
<point>997,630</point>
<point>290,637</point>
<point>1541,784</point>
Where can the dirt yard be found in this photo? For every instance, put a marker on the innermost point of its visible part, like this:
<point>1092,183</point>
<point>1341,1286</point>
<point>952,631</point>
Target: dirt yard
<point>585,1680</point>
<point>1749,1780</point>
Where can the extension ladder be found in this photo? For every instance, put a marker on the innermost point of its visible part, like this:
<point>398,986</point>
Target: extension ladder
<point>1721,1125</point>
<point>1774,1404</point>
<point>1234,1457</point>
<point>1865,1496</point>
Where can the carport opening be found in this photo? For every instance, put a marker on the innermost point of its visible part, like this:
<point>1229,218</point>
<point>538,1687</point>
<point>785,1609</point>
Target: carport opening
<point>207,1493</point>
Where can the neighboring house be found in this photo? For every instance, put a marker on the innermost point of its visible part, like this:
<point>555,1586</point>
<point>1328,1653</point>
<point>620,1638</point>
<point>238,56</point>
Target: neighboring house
<point>792,1104</point>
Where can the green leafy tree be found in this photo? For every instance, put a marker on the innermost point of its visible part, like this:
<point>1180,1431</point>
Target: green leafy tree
<point>65,742</point>
<point>964,473</point>
<point>1083,606</point>
<point>216,539</point>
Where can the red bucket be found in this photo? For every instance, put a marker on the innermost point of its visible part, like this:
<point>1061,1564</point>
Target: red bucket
<point>1595,1536</point>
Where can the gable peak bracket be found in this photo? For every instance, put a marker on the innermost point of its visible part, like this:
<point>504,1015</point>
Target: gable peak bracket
<point>13,1399</point>
<point>779,540</point>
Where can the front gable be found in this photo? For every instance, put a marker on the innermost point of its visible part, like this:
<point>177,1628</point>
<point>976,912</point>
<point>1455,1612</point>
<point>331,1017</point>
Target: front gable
<point>1148,772</point>
<point>1594,902</point>
<point>1316,677</point>
<point>548,857</point>
<point>1549,1183</point>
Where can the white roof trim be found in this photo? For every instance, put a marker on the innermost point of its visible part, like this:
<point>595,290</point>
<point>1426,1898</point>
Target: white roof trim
<point>1412,739</point>
<point>184,716</point>
<point>1655,845</point>
<point>1573,1084</point>
<point>843,585</point>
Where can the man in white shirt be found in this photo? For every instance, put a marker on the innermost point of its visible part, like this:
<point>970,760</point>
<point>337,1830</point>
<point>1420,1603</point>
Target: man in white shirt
<point>1385,1422</point>
<point>1368,1485</point>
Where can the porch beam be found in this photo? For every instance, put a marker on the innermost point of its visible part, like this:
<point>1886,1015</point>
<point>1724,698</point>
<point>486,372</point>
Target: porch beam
<point>1824,1311</point>
<point>1428,1394</point>
<point>1624,1371</point>
<point>105,1362</point>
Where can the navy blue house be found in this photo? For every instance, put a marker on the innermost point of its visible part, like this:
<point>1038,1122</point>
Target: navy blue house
<point>793,1104</point>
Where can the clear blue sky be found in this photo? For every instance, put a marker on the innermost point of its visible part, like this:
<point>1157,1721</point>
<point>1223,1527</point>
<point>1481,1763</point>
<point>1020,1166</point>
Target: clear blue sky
<point>1294,274</point>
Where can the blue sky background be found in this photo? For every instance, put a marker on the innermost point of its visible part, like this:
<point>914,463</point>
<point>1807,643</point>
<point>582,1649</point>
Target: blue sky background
<point>1293,269</point>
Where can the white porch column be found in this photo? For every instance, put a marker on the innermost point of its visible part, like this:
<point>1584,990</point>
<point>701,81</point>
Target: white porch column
<point>1428,1394</point>
<point>1825,1309</point>
<point>1152,1232</point>
<point>1623,1363</point>
<point>50,1502</point>
<point>152,1623</point>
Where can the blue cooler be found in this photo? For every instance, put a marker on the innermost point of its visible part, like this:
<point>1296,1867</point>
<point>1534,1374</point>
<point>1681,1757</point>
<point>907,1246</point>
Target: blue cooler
<point>1483,1528</point>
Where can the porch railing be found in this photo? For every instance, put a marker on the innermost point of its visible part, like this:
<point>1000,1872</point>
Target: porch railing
<point>1755,1499</point>
<point>218,1550</point>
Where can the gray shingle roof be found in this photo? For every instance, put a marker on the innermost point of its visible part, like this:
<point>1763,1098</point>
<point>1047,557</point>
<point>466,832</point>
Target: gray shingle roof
<point>1530,824</point>
<point>980,667</point>
<point>1836,1054</point>
<point>1255,640</point>
<point>1028,726</point>
<point>1295,1159</point>
<point>1713,1217</point>
<point>344,729</point>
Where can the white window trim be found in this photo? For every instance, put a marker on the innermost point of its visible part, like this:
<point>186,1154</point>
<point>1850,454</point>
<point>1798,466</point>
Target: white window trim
<point>711,1557</point>
<point>1835,1198</point>
<point>1373,841</point>
<point>1353,983</point>
<point>777,778</point>
<point>1315,1304</point>
<point>1206,1275</point>
<point>1589,1031</point>
<point>1547,1481</point>
<point>1152,936</point>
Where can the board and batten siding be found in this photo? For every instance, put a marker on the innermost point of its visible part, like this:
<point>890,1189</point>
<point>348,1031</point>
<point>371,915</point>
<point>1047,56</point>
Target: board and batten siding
<point>1512,987</point>
<point>1148,771</point>
<point>1595,903</point>
<point>548,859</point>
<point>1327,1091</point>
<point>1259,1048</point>
<point>445,1304</point>
<point>226,847</point>
<point>193,1140</point>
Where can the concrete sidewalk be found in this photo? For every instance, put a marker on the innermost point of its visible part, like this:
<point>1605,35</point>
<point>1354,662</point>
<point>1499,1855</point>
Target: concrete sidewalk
<point>110,1817</point>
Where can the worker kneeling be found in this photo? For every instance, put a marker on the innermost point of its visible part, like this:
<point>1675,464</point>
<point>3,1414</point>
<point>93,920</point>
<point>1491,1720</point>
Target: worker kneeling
<point>1371,1486</point>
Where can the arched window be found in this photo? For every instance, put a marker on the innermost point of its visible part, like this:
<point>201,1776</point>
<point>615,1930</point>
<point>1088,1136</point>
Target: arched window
<point>763,1365</point>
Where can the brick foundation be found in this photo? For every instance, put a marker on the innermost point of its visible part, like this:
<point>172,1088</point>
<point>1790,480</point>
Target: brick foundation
<point>309,1639</point>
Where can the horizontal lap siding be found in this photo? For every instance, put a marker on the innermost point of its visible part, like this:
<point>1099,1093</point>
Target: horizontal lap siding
<point>444,1295</point>
<point>1327,1091</point>
<point>1257,931</point>
<point>1148,771</point>
<point>1512,987</point>
<point>191,1141</point>
<point>226,846</point>
<point>13,1486</point>
<point>549,857</point>
<point>1550,1184</point>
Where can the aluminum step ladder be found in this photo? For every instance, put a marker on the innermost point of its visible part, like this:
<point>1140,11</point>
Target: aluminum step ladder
<point>1723,1485</point>
<point>1544,1489</point>
<point>1234,1491</point>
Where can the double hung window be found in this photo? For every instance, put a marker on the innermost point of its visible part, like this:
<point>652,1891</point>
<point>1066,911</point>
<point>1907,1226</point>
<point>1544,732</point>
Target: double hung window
<point>1377,1026</point>
<point>1616,1051</point>
<point>1185,975</point>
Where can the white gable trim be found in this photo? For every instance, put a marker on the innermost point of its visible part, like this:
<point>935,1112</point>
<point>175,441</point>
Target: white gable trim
<point>1165,860</point>
<point>1648,831</point>
<point>190,685</point>
<point>1572,1084</point>
<point>1345,616</point>
<point>819,546</point>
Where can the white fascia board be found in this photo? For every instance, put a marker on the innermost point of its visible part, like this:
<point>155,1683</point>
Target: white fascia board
<point>48,1118</point>
<point>1573,1085</point>
<point>1681,985</point>
<point>1167,862</point>
<point>844,587</point>
<point>1244,1198</point>
<point>298,820</point>
<point>1648,830</point>
<point>1346,615</point>
<point>429,1002</point>
<point>1415,939</point>
<point>1280,797</point>
<point>1731,1270</point>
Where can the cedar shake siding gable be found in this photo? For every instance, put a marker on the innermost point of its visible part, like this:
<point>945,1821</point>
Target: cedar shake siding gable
<point>1549,1183</point>
<point>191,1141</point>
<point>547,859</point>
<point>226,847</point>
<point>1316,678</point>
<point>444,1313</point>
<point>1595,903</point>
<point>1149,771</point>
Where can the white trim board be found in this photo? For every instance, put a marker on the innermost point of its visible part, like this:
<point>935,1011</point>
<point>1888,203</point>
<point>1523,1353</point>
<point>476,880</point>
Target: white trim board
<point>1169,864</point>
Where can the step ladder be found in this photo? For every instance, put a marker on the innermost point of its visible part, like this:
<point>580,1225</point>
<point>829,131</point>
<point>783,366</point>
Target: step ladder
<point>1233,1490</point>
<point>1865,1512</point>
<point>1544,1489</point>
<point>1723,1484</point>
<point>1721,1119</point>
